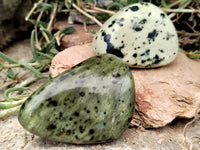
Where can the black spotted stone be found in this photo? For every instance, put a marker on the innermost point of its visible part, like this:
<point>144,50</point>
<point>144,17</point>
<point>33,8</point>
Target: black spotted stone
<point>94,111</point>
<point>141,26</point>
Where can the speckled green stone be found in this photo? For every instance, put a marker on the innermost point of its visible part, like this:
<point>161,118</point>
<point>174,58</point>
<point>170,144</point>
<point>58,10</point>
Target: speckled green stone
<point>92,102</point>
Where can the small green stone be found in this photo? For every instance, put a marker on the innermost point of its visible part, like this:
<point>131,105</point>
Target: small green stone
<point>92,102</point>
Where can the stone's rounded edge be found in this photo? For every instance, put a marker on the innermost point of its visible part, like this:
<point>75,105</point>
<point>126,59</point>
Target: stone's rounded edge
<point>164,32</point>
<point>70,57</point>
<point>119,74</point>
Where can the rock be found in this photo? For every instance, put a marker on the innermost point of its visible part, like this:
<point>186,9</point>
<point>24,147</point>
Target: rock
<point>93,102</point>
<point>166,93</point>
<point>77,38</point>
<point>69,57</point>
<point>141,34</point>
<point>162,94</point>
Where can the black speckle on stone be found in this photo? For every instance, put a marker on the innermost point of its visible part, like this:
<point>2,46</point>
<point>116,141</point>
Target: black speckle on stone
<point>70,119</point>
<point>116,75</point>
<point>134,8</point>
<point>143,61</point>
<point>127,61</point>
<point>60,115</point>
<point>76,137</point>
<point>49,99</point>
<point>149,14</point>
<point>143,21</point>
<point>92,137</point>
<point>110,59</point>
<point>161,50</point>
<point>146,53</point>
<point>51,127</point>
<point>174,53</point>
<point>157,60</point>
<point>91,131</point>
<point>103,33</point>
<point>135,64</point>
<point>110,49</point>
<point>63,77</point>
<point>112,23</point>
<point>52,103</point>
<point>88,111</point>
<point>135,55</point>
<point>152,35</point>
<point>98,56</point>
<point>138,28</point>
<point>81,129</point>
<point>149,59</point>
<point>113,30</point>
<point>162,15</point>
<point>68,132</point>
<point>76,114</point>
<point>120,22</point>
<point>116,52</point>
<point>126,10</point>
<point>82,94</point>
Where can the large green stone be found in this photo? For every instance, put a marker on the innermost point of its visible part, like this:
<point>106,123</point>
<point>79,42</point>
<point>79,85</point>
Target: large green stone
<point>92,102</point>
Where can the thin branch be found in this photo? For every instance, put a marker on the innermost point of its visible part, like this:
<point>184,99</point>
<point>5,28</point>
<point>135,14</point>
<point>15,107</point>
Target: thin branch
<point>86,14</point>
<point>32,10</point>
<point>11,111</point>
<point>181,10</point>
<point>53,14</point>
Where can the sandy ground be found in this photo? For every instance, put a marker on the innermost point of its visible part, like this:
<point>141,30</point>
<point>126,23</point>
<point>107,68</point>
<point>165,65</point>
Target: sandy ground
<point>13,136</point>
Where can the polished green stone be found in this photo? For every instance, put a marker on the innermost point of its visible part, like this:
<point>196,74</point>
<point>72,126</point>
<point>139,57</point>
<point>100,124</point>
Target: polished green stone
<point>92,102</point>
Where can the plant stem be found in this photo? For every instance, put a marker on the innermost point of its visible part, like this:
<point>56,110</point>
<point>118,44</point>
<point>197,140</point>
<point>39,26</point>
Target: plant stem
<point>8,59</point>
<point>188,34</point>
<point>7,105</point>
<point>7,112</point>
<point>181,10</point>
<point>19,65</point>
<point>33,9</point>
<point>7,92</point>
<point>53,14</point>
<point>105,11</point>
<point>86,14</point>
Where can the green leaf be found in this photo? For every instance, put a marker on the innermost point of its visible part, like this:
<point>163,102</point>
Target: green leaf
<point>50,36</point>
<point>11,74</point>
<point>48,47</point>
<point>54,51</point>
<point>194,55</point>
<point>41,23</point>
<point>93,31</point>
<point>67,30</point>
